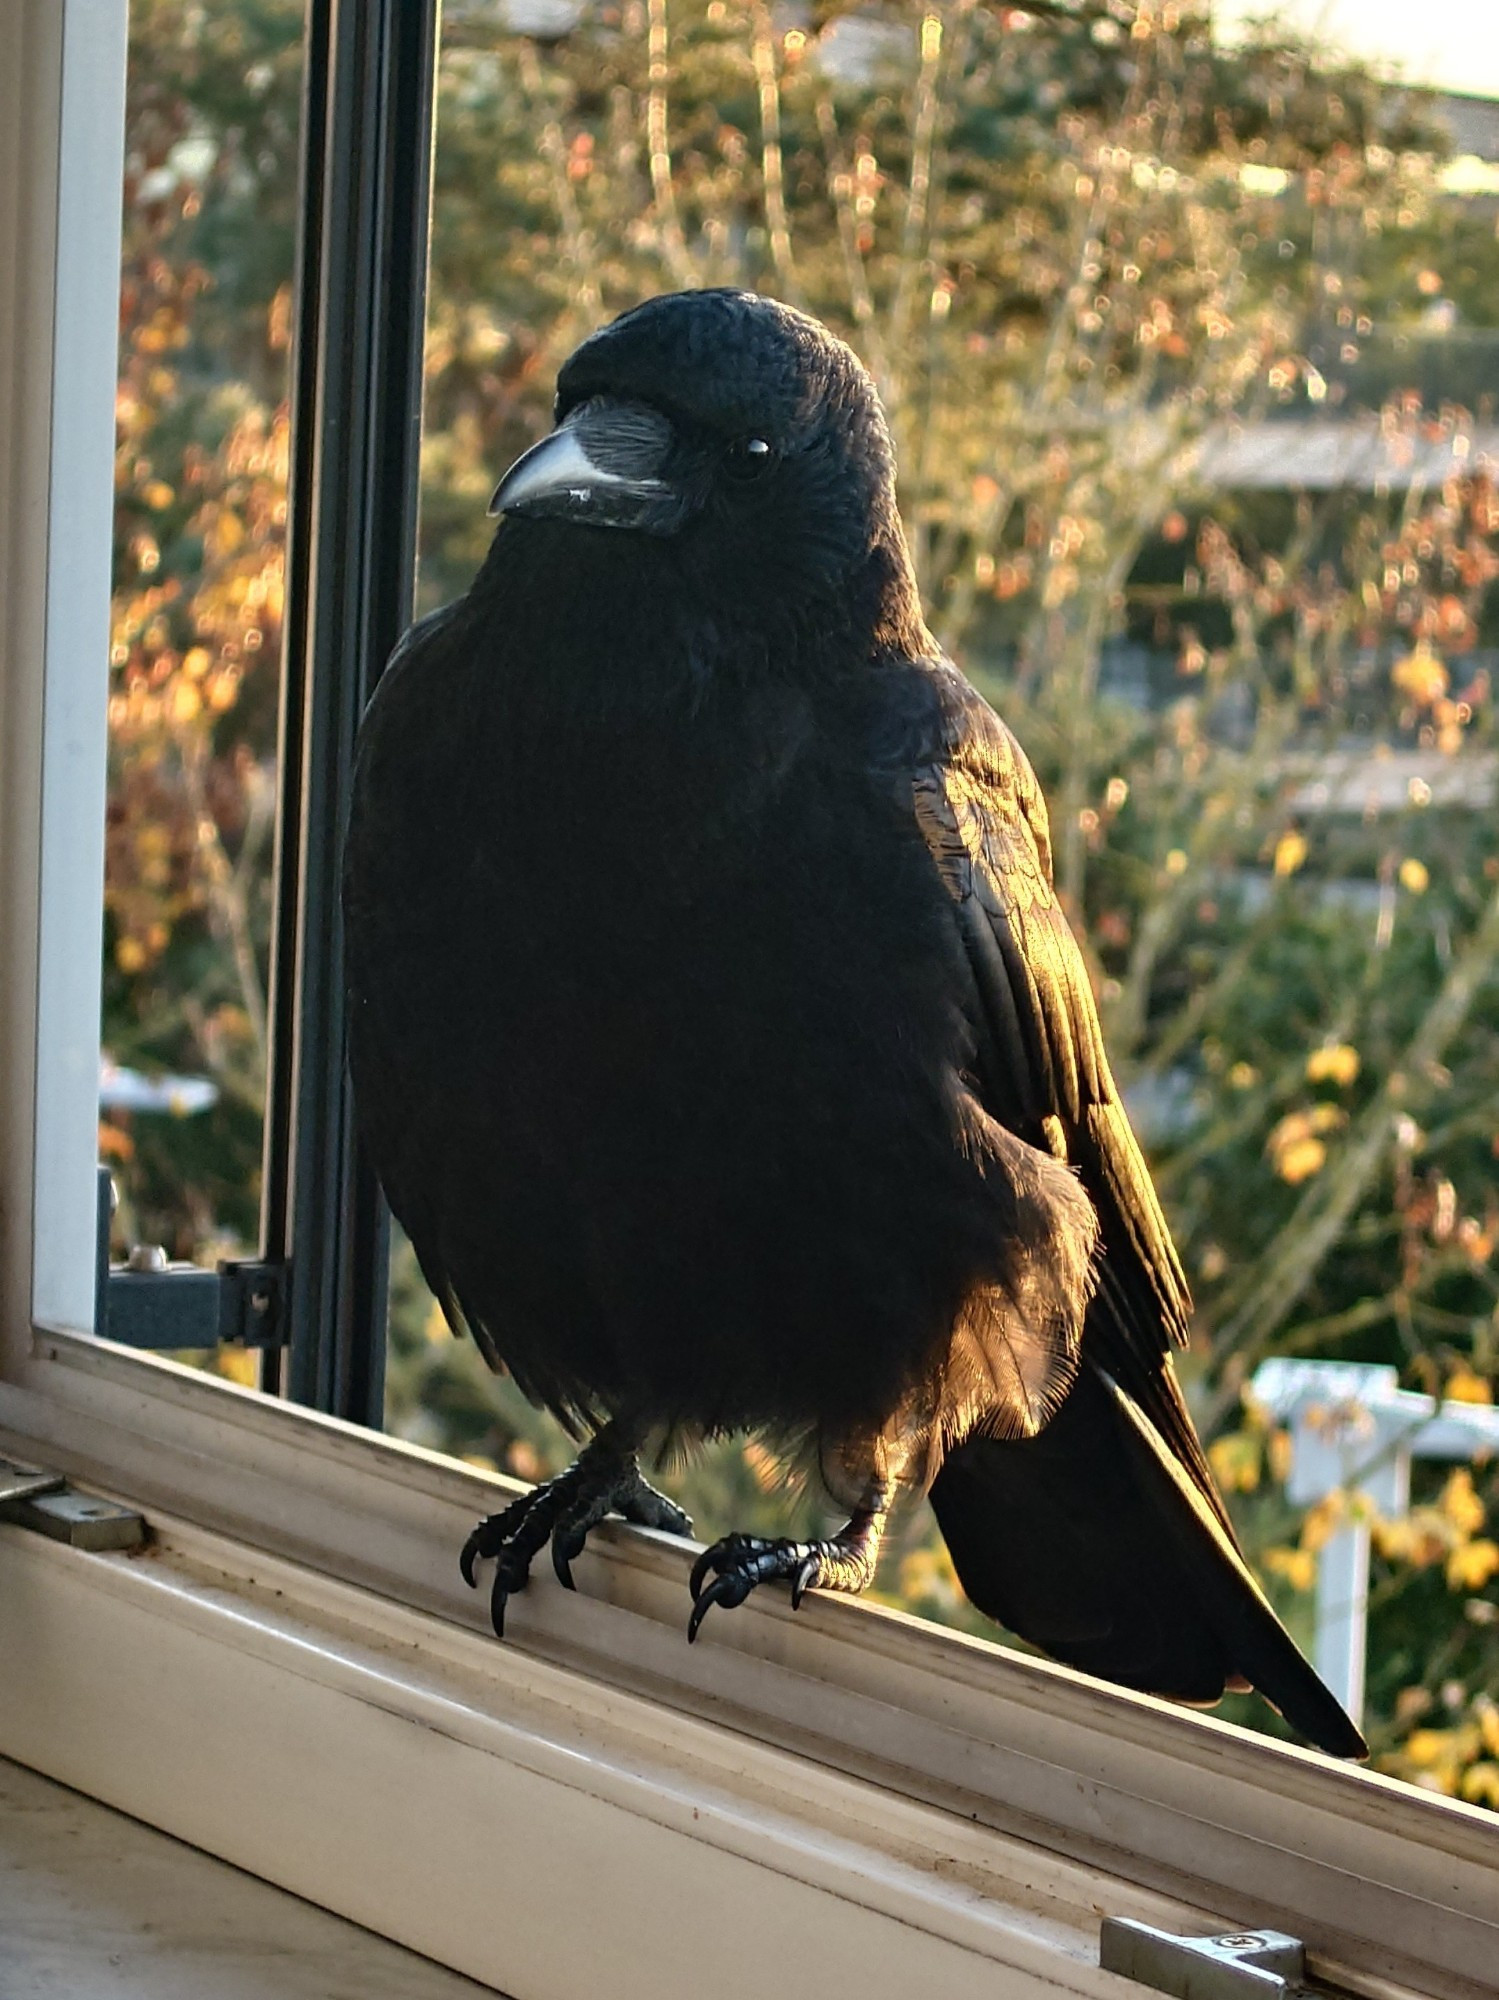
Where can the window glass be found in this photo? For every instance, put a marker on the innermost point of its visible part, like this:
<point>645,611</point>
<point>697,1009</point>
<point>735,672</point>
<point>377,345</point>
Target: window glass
<point>210,217</point>
<point>1187,351</point>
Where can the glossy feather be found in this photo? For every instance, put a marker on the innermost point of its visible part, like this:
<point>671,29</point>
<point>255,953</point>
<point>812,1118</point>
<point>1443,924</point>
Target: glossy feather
<point>719,1037</point>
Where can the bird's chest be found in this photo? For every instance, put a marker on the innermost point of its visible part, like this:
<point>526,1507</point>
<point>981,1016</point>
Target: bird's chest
<point>691,946</point>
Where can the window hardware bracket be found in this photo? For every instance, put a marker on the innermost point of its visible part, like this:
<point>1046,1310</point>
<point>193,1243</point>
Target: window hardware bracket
<point>149,1301</point>
<point>34,1497</point>
<point>1232,1965</point>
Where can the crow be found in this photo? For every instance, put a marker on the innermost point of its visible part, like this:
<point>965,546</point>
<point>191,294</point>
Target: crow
<point>722,1046</point>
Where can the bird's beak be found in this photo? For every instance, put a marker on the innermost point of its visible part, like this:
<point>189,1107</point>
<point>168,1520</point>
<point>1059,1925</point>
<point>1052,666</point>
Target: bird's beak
<point>601,467</point>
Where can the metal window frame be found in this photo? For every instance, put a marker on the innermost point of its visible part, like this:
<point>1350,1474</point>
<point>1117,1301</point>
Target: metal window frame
<point>356,435</point>
<point>320,1277</point>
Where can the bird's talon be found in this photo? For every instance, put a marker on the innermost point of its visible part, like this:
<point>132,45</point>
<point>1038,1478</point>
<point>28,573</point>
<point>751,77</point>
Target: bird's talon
<point>700,1570</point>
<point>604,1478</point>
<point>802,1582</point>
<point>727,1589</point>
<point>565,1550</point>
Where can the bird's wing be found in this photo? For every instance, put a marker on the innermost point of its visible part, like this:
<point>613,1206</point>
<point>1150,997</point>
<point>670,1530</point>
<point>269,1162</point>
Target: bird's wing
<point>1102,1539</point>
<point>381,874</point>
<point>1040,1068</point>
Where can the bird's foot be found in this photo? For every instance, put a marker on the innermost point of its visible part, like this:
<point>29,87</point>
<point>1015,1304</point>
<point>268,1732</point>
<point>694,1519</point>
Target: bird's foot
<point>603,1479</point>
<point>845,1561</point>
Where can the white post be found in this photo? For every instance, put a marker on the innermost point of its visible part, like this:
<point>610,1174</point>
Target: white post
<point>1354,1430</point>
<point>1342,1613</point>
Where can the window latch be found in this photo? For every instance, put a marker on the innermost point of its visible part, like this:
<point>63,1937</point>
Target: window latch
<point>1232,1965</point>
<point>33,1497</point>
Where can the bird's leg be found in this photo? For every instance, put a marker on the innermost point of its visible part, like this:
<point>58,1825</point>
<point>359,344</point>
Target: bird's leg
<point>845,1561</point>
<point>605,1478</point>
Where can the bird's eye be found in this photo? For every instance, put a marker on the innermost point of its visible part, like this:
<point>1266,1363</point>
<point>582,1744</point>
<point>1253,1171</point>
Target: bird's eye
<point>748,459</point>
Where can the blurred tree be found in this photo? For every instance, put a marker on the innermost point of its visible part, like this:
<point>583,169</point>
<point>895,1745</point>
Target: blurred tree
<point>200,478</point>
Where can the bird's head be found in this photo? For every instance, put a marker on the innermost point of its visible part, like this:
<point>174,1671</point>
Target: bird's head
<point>736,432</point>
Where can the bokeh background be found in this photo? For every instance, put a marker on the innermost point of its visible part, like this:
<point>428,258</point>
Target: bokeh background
<point>1190,349</point>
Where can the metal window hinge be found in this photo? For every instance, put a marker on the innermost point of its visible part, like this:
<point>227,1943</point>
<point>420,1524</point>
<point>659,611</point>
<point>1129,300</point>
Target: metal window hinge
<point>33,1497</point>
<point>1233,1965</point>
<point>148,1301</point>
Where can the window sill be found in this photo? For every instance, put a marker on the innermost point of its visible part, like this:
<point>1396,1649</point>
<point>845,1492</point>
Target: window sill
<point>307,1689</point>
<point>95,1906</point>
<point>511,1818</point>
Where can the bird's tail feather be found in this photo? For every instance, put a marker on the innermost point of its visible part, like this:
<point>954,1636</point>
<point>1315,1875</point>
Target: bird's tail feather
<point>1091,1541</point>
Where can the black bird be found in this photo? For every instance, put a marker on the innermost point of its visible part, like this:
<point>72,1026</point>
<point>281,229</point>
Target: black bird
<point>723,1049</point>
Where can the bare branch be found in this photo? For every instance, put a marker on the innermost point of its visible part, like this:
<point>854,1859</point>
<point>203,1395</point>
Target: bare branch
<point>658,147</point>
<point>772,178</point>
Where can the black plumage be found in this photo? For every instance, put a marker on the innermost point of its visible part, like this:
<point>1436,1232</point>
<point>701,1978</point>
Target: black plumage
<point>723,1048</point>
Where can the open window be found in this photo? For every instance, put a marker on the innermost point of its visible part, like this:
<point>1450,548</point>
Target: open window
<point>309,1690</point>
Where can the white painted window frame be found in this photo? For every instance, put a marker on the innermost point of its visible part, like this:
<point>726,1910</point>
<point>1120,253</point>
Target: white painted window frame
<point>294,1678</point>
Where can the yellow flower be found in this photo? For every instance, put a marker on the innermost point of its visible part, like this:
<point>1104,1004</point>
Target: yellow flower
<point>239,1364</point>
<point>1427,1747</point>
<point>1300,1160</point>
<point>1480,1784</point>
<point>1235,1459</point>
<point>226,534</point>
<point>1290,852</point>
<point>1421,675</point>
<point>1421,1538</point>
<point>1296,1152</point>
<point>1335,1062</point>
<point>1461,1504</point>
<point>1297,1566</point>
<point>1280,1456</point>
<point>1414,876</point>
<point>1463,1386</point>
<point>1323,1520</point>
<point>1470,1566</point>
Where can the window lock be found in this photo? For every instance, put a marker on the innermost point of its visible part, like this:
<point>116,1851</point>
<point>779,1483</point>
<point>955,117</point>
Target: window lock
<point>1231,1965</point>
<point>33,1497</point>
